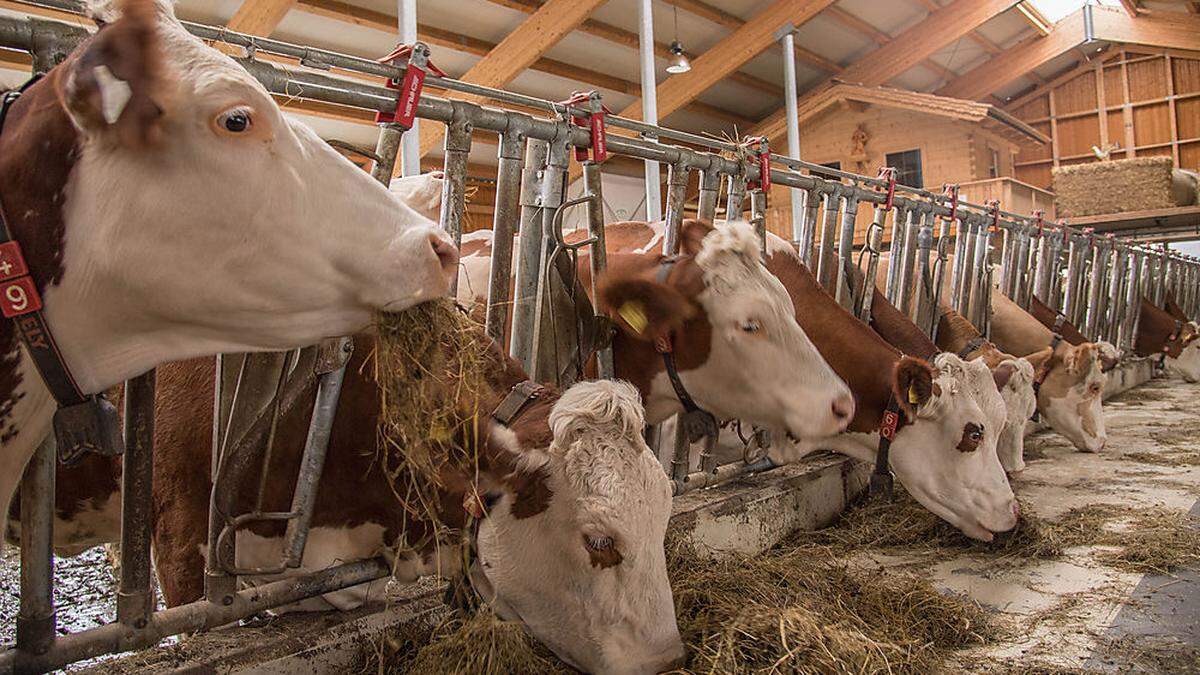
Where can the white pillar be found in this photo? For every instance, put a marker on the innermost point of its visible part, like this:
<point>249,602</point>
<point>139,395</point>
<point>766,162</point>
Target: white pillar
<point>410,144</point>
<point>649,103</point>
<point>790,95</point>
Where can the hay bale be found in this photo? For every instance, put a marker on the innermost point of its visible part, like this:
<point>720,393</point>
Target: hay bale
<point>1123,185</point>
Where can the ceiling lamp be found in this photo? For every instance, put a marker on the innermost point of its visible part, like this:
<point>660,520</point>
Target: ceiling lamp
<point>678,62</point>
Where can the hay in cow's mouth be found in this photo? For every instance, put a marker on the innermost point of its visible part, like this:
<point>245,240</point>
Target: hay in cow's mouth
<point>429,363</point>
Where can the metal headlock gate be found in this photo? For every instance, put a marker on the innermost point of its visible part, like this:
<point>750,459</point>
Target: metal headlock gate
<point>554,330</point>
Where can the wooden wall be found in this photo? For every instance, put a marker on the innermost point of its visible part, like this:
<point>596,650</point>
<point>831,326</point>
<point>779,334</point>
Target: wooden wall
<point>1145,100</point>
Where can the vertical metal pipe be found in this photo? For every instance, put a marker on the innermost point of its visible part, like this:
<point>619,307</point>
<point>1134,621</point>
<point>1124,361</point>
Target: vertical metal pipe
<point>710,192</point>
<point>386,148</point>
<point>411,154</point>
<point>592,182</point>
<point>135,596</point>
<point>1070,285</point>
<point>1160,283</point>
<point>961,236</point>
<point>844,293</point>
<point>826,261</point>
<point>458,147</point>
<point>891,288</point>
<point>1116,281</point>
<point>677,181</point>
<point>939,279</point>
<point>971,240</point>
<point>1007,252</point>
<point>865,300</point>
<point>808,228</point>
<point>1095,284</point>
<point>36,620</point>
<point>758,216</point>
<point>649,82</point>
<point>735,201</point>
<point>980,277</point>
<point>791,105</point>
<point>923,288</point>
<point>551,193</point>
<point>912,226</point>
<point>1133,295</point>
<point>1041,277</point>
<point>504,222</point>
<point>529,254</point>
<point>1023,276</point>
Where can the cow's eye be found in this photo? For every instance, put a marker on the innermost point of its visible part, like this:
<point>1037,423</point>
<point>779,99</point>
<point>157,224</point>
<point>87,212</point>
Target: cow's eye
<point>971,438</point>
<point>750,326</point>
<point>235,120</point>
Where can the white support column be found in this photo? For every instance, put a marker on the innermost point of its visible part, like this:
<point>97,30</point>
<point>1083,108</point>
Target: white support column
<point>649,84</point>
<point>410,144</point>
<point>788,42</point>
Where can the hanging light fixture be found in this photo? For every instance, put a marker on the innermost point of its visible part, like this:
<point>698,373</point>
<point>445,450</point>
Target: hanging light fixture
<point>678,63</point>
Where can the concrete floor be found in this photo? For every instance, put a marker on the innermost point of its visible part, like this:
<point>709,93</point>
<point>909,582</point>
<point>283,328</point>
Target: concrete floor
<point>1067,615</point>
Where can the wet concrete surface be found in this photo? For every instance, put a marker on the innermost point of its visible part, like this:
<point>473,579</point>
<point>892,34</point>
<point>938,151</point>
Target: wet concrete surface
<point>84,592</point>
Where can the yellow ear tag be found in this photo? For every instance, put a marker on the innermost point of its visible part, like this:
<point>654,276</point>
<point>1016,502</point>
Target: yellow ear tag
<point>913,398</point>
<point>633,315</point>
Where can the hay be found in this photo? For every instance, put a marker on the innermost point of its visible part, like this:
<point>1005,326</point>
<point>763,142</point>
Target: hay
<point>799,609</point>
<point>1113,187</point>
<point>1138,539</point>
<point>430,364</point>
<point>1164,457</point>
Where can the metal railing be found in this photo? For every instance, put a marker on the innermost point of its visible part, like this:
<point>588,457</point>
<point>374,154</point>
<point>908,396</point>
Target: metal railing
<point>534,157</point>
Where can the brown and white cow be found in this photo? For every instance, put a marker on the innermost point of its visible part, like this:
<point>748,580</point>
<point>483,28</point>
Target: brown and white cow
<point>1072,383</point>
<point>167,209</point>
<point>738,348</point>
<point>1107,351</point>
<point>956,334</point>
<point>571,544</point>
<point>945,453</point>
<point>1174,339</point>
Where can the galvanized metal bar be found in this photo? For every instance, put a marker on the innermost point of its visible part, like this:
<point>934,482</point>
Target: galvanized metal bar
<point>939,278</point>
<point>791,111</point>
<point>677,182</point>
<point>736,197</point>
<point>454,186</point>
<point>529,253</point>
<point>1007,263</point>
<point>593,184</point>
<point>806,233</point>
<point>1022,276</point>
<point>649,82</point>
<point>922,301</point>
<point>386,148</point>
<point>710,193</point>
<point>844,288</point>
<point>135,592</point>
<point>758,216</point>
<point>891,289</point>
<point>505,219</point>
<point>1116,285</point>
<point>36,619</point>
<point>1099,254</point>
<point>826,254</point>
<point>1044,269</point>
<point>698,480</point>
<point>866,298</point>
<point>980,270</point>
<point>961,237</point>
<point>1071,300</point>
<point>1133,296</point>
<point>551,194</point>
<point>906,260</point>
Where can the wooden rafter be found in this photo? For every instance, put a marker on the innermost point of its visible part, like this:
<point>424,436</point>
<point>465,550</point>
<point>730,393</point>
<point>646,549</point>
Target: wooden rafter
<point>440,37</point>
<point>1033,17</point>
<point>720,16</point>
<point>260,17</point>
<point>906,50</point>
<point>729,54</point>
<point>1130,7</point>
<point>519,50</point>
<point>630,39</point>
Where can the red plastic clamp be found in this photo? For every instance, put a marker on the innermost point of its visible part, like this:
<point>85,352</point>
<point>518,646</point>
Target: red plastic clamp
<point>415,58</point>
<point>949,189</point>
<point>994,205</point>
<point>595,122</point>
<point>760,149</point>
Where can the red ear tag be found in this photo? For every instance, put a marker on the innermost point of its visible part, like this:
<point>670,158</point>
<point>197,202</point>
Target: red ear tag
<point>891,420</point>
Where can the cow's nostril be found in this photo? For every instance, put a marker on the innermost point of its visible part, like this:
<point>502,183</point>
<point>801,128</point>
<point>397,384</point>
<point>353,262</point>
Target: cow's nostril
<point>446,253</point>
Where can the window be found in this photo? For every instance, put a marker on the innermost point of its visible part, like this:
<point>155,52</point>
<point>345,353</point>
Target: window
<point>908,167</point>
<point>993,163</point>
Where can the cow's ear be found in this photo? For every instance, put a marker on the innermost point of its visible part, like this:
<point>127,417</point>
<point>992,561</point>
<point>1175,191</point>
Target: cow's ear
<point>691,235</point>
<point>499,467</point>
<point>645,309</point>
<point>114,88</point>
<point>1002,374</point>
<point>1042,361</point>
<point>1080,359</point>
<point>913,384</point>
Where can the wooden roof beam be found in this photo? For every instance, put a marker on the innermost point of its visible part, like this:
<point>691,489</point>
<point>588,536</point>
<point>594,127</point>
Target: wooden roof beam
<point>906,50</point>
<point>1130,7</point>
<point>1034,18</point>
<point>260,17</point>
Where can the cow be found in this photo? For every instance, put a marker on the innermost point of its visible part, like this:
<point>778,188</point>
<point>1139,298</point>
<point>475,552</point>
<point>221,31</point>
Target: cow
<point>1173,340</point>
<point>1057,322</point>
<point>1071,381</point>
<point>944,453</point>
<point>956,334</point>
<point>167,209</point>
<point>737,347</point>
<point>1174,309</point>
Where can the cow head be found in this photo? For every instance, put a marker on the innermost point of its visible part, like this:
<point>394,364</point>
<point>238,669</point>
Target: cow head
<point>1070,394</point>
<point>746,357</point>
<point>1014,380</point>
<point>204,217</point>
<point>946,456</point>
<point>1187,364</point>
<point>585,569</point>
<point>422,192</point>
<point>1108,354</point>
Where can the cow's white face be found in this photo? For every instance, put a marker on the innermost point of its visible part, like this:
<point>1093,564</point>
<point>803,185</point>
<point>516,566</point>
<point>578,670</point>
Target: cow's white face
<point>1187,365</point>
<point>947,458</point>
<point>1070,396</point>
<point>761,367</point>
<point>587,576</point>
<point>1019,404</point>
<point>240,230</point>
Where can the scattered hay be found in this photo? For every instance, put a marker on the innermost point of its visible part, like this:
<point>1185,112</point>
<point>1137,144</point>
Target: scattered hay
<point>1155,654</point>
<point>1140,395</point>
<point>905,524</point>
<point>1143,540</point>
<point>1164,457</point>
<point>798,609</point>
<point>430,363</point>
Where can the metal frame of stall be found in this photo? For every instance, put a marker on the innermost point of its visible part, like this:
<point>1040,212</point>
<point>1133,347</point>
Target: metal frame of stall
<point>534,158</point>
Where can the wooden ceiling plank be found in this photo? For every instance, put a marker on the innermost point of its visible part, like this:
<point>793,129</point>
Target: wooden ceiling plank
<point>260,17</point>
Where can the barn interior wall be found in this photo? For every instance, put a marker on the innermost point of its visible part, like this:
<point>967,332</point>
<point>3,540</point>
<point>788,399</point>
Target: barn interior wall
<point>1142,102</point>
